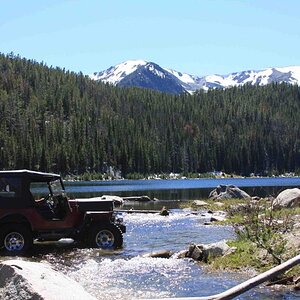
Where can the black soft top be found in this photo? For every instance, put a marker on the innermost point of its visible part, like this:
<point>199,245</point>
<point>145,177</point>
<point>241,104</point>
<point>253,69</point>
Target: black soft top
<point>31,175</point>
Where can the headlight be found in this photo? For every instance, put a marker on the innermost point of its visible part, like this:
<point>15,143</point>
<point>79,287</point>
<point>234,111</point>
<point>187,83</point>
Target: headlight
<point>118,218</point>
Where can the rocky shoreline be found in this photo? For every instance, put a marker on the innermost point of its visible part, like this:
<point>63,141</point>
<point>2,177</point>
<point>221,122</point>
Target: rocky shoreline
<point>268,232</point>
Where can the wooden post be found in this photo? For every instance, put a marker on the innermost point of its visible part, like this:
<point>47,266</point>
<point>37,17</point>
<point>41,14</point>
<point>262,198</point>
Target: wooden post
<point>249,284</point>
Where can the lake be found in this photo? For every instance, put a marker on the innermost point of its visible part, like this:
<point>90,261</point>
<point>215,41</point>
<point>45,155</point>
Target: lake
<point>126,274</point>
<point>179,189</point>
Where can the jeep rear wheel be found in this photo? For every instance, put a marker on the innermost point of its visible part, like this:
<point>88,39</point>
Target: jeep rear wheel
<point>105,237</point>
<point>15,238</point>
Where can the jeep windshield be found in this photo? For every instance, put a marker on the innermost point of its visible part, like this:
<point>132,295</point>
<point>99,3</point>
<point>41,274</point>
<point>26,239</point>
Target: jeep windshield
<point>42,189</point>
<point>56,188</point>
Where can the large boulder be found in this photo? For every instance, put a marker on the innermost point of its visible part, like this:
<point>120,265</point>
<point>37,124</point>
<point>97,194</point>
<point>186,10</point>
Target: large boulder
<point>222,192</point>
<point>203,252</point>
<point>31,280</point>
<point>288,198</point>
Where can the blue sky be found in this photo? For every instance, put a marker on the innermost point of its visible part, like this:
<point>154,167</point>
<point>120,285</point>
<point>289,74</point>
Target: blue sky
<point>199,37</point>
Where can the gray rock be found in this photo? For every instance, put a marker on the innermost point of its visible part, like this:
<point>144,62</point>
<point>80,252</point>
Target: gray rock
<point>222,192</point>
<point>203,252</point>
<point>288,198</point>
<point>164,212</point>
<point>218,216</point>
<point>195,252</point>
<point>31,280</point>
<point>200,203</point>
<point>292,241</point>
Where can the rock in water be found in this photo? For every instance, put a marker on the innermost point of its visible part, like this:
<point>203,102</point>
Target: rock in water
<point>164,212</point>
<point>203,252</point>
<point>222,192</point>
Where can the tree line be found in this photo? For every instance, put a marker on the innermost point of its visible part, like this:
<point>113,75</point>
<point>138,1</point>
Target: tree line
<point>55,120</point>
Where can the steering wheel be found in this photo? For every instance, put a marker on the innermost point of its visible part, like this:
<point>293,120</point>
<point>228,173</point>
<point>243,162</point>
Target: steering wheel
<point>50,202</point>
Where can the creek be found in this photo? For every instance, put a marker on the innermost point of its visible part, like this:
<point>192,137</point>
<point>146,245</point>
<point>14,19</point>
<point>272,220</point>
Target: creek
<point>125,273</point>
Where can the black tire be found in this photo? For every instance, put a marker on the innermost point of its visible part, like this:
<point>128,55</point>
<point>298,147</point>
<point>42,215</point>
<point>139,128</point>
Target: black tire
<point>107,236</point>
<point>15,238</point>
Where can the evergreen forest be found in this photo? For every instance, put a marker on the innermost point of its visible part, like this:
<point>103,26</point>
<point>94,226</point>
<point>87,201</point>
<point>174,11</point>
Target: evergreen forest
<point>52,119</point>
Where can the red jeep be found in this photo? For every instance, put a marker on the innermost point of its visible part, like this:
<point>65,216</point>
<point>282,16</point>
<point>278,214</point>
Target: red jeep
<point>26,216</point>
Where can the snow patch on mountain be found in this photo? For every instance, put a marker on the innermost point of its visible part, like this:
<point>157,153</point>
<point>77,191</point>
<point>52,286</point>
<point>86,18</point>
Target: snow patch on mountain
<point>286,74</point>
<point>155,71</point>
<point>185,78</point>
<point>142,73</point>
<point>116,73</point>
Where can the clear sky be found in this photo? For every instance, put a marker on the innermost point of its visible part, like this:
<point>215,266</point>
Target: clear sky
<point>199,37</point>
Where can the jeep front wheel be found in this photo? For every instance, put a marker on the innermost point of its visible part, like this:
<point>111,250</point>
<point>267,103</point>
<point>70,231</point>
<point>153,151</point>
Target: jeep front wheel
<point>105,237</point>
<point>15,238</point>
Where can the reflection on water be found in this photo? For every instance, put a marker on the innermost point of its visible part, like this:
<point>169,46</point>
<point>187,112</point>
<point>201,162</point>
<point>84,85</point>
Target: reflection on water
<point>178,189</point>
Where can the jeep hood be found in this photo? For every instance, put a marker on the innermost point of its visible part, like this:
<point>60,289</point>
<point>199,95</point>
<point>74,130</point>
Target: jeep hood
<point>92,204</point>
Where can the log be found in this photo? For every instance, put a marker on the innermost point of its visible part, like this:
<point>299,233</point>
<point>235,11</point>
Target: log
<point>247,285</point>
<point>160,254</point>
<point>138,198</point>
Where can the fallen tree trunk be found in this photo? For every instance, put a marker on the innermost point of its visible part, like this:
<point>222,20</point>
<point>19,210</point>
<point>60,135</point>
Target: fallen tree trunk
<point>249,284</point>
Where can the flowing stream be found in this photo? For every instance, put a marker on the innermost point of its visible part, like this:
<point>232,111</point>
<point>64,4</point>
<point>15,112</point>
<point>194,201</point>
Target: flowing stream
<point>127,274</point>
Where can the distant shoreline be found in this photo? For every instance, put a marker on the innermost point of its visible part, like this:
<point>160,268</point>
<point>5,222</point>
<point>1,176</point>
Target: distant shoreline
<point>104,177</point>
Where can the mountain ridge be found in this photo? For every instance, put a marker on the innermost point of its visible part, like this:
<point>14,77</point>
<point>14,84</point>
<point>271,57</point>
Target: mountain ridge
<point>150,75</point>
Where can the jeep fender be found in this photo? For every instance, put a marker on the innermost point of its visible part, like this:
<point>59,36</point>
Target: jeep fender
<point>102,218</point>
<point>89,220</point>
<point>16,219</point>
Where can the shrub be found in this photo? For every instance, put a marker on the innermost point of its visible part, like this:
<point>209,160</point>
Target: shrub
<point>265,227</point>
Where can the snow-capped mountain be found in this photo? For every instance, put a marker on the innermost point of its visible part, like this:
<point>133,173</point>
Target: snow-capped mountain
<point>287,74</point>
<point>150,75</point>
<point>141,74</point>
<point>115,74</point>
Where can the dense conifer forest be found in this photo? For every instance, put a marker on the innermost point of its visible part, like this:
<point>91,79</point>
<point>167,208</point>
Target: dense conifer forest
<point>60,121</point>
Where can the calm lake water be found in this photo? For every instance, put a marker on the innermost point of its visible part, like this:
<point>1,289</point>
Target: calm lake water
<point>126,274</point>
<point>181,189</point>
